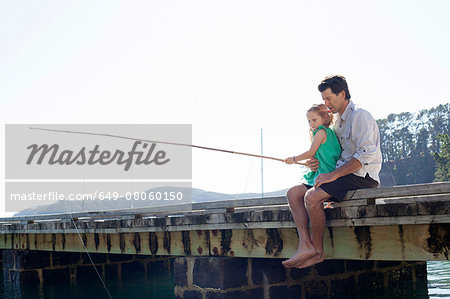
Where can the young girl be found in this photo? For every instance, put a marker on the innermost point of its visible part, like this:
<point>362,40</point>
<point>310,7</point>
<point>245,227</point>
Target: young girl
<point>324,147</point>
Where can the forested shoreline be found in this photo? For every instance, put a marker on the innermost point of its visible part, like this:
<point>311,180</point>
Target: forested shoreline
<point>415,147</point>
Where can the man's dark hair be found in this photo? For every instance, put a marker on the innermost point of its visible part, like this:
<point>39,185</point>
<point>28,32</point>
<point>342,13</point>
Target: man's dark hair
<point>337,84</point>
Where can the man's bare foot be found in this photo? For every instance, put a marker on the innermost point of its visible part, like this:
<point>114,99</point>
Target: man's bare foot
<point>300,257</point>
<point>318,258</point>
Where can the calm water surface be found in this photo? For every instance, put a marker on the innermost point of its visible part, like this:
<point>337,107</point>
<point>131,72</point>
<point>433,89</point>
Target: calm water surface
<point>161,287</point>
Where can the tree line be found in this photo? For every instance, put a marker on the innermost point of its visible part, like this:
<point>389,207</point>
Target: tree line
<point>415,147</point>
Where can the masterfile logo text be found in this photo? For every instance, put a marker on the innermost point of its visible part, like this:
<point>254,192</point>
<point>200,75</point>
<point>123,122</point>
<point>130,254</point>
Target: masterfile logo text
<point>97,152</point>
<point>117,165</point>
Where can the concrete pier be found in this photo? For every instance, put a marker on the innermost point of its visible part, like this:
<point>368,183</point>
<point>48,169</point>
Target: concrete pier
<point>376,238</point>
<point>216,277</point>
<point>224,277</point>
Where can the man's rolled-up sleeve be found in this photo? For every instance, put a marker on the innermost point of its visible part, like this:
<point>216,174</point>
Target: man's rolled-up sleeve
<point>365,136</point>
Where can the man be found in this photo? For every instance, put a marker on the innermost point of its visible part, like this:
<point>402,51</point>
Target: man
<point>358,167</point>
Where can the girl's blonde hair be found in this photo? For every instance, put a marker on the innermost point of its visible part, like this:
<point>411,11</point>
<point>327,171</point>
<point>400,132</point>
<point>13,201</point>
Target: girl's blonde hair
<point>324,113</point>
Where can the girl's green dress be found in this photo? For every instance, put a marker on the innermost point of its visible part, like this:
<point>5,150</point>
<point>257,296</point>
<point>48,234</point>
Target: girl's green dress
<point>327,154</point>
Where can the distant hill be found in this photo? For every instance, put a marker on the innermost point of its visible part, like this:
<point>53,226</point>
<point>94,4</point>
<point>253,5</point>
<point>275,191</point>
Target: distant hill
<point>198,195</point>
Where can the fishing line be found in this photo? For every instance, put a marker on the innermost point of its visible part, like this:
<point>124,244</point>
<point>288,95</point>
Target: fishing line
<point>248,174</point>
<point>163,142</point>
<point>90,258</point>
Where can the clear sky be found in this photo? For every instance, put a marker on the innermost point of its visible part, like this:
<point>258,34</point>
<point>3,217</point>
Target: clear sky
<point>229,68</point>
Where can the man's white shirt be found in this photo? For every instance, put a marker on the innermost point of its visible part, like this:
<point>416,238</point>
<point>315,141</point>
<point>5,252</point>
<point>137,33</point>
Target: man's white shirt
<point>359,136</point>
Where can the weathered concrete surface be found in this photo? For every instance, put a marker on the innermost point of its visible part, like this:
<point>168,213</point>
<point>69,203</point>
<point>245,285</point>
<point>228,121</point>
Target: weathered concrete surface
<point>399,223</point>
<point>420,242</point>
<point>423,210</point>
<point>223,277</point>
<point>24,266</point>
<point>217,277</point>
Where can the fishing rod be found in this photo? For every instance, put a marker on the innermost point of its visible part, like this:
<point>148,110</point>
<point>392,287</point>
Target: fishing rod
<point>163,142</point>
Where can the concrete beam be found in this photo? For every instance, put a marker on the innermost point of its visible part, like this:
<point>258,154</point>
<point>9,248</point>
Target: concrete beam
<point>396,212</point>
<point>420,242</point>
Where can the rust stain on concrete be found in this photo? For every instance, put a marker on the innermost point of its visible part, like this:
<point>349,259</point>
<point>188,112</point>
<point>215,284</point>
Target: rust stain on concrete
<point>225,241</point>
<point>96,240</point>
<point>53,242</point>
<point>153,242</point>
<point>274,243</point>
<point>401,234</point>
<point>85,240</point>
<point>330,231</point>
<point>63,241</point>
<point>28,241</point>
<point>167,241</point>
<point>439,240</point>
<point>137,242</point>
<point>122,243</point>
<point>364,241</point>
<point>186,239</point>
<point>108,242</point>
<point>249,241</point>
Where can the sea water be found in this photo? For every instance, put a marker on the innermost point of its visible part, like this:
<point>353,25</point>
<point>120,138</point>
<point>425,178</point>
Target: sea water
<point>438,279</point>
<point>161,286</point>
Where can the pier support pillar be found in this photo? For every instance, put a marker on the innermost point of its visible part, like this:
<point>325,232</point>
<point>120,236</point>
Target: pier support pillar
<point>33,266</point>
<point>23,266</point>
<point>228,277</point>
